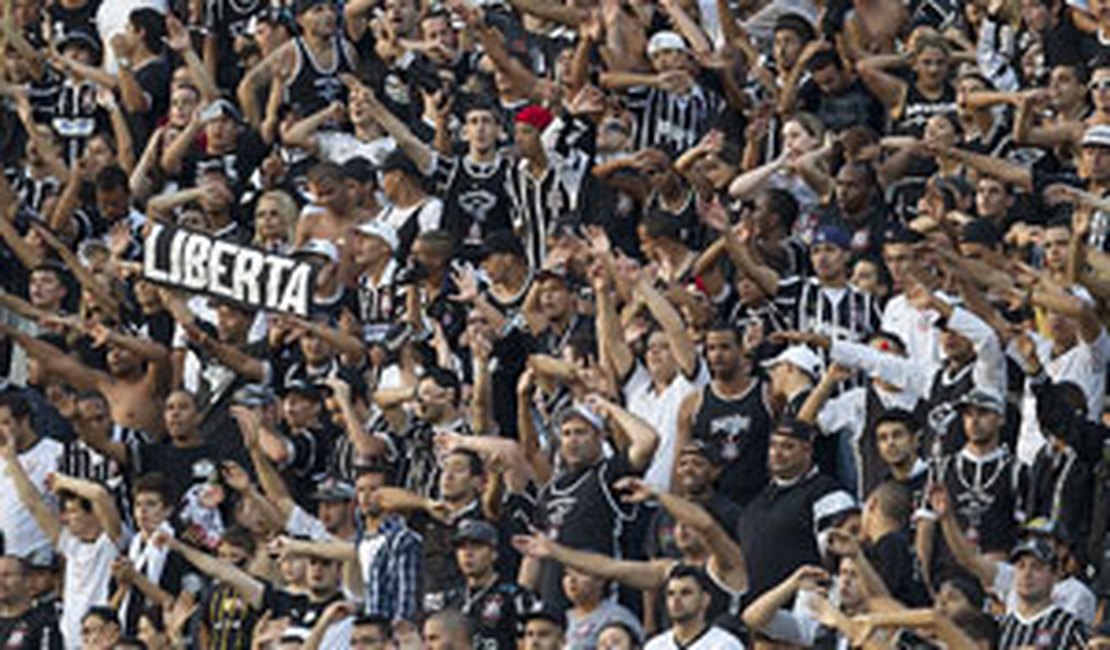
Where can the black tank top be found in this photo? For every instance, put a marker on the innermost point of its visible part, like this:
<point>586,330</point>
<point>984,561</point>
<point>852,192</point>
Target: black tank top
<point>919,108</point>
<point>941,411</point>
<point>740,429</point>
<point>314,88</point>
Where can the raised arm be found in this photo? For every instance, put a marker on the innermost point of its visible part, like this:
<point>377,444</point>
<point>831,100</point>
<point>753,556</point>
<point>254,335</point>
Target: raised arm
<point>612,348</point>
<point>962,549</point>
<point>670,320</point>
<point>302,133</point>
<point>642,437</point>
<point>889,89</point>
<point>57,362</point>
<point>526,427</point>
<point>414,147</point>
<point>47,520</point>
<point>103,503</point>
<point>337,550</point>
<point>638,575</point>
<point>251,589</point>
<point>250,426</point>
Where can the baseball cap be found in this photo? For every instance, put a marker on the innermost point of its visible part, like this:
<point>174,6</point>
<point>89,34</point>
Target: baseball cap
<point>502,241</point>
<point>984,399</point>
<point>795,23</point>
<point>302,387</point>
<point>302,6</point>
<point>254,395</point>
<point>666,40</point>
<point>980,231</point>
<point>476,530</point>
<point>1046,527</point>
<point>81,37</point>
<point>701,448</point>
<point>319,247</point>
<point>381,230</point>
<point>224,108</point>
<point>793,428</point>
<point>583,412</point>
<point>333,488</point>
<point>396,160</point>
<point>543,612</point>
<point>800,357</point>
<point>359,169</point>
<point>830,234</point>
<point>1038,547</point>
<point>535,116</point>
<point>900,234</point>
<point>1097,136</point>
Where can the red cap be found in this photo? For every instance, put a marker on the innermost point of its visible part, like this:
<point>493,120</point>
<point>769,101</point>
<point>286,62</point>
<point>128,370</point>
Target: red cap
<point>536,116</point>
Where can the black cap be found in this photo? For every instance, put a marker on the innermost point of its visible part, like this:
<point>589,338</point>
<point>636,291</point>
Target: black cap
<point>333,488</point>
<point>796,429</point>
<point>396,160</point>
<point>899,234</point>
<point>980,231</point>
<point>302,6</point>
<point>83,37</point>
<point>359,169</point>
<point>1038,547</point>
<point>797,24</point>
<point>702,448</point>
<point>543,612</point>
<point>502,241</point>
<point>306,388</point>
<point>254,395</point>
<point>476,530</point>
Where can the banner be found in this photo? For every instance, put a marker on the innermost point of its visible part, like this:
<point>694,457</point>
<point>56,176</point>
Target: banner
<point>191,260</point>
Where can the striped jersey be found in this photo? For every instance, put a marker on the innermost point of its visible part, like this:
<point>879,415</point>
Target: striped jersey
<point>1051,628</point>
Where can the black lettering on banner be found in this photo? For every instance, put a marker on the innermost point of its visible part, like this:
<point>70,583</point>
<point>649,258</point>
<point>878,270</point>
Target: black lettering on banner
<point>195,261</point>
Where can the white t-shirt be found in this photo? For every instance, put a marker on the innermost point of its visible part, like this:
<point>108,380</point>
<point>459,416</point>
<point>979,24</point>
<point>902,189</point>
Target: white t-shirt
<point>1070,594</point>
<point>22,536</point>
<point>915,328</point>
<point>88,573</point>
<point>339,147</point>
<point>429,215</point>
<point>660,410</point>
<point>714,638</point>
<point>1084,365</point>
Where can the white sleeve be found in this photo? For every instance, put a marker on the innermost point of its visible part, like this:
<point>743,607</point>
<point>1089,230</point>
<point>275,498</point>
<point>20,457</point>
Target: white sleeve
<point>911,376</point>
<point>990,361</point>
<point>1004,576</point>
<point>431,215</point>
<point>841,412</point>
<point>300,523</point>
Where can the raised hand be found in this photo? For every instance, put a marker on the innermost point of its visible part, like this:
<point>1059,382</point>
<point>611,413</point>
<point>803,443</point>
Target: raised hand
<point>235,476</point>
<point>535,545</point>
<point>635,490</point>
<point>939,501</point>
<point>466,280</point>
<point>250,422</point>
<point>177,37</point>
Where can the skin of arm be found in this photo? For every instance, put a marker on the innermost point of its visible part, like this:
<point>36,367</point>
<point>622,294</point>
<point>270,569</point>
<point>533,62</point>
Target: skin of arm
<point>817,398</point>
<point>670,320</point>
<point>890,90</point>
<point>122,133</point>
<point>610,337</point>
<point>104,505</point>
<point>337,550</point>
<point>302,133</point>
<point>58,363</point>
<point>1090,327</point>
<point>999,168</point>
<point>760,613</point>
<point>26,255</point>
<point>638,575</point>
<point>131,93</point>
<point>414,148</point>
<point>751,181</point>
<point>740,254</point>
<point>552,12</point>
<point>526,429</point>
<point>962,549</point>
<point>726,558</point>
<point>249,587</point>
<point>273,487</point>
<point>61,218</point>
<point>481,406</point>
<point>174,154</point>
<point>642,437</point>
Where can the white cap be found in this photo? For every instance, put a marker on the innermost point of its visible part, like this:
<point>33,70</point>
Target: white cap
<point>1097,136</point>
<point>321,247</point>
<point>381,230</point>
<point>667,40</point>
<point>800,357</point>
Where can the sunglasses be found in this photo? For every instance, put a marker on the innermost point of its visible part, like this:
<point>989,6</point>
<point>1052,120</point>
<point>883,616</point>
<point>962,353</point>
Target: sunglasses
<point>1099,85</point>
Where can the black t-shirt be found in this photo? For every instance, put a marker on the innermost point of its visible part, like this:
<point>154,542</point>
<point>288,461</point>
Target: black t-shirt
<point>660,540</point>
<point>496,614</point>
<point>893,557</point>
<point>855,105</point>
<point>36,629</point>
<point>301,610</point>
<point>154,78</point>
<point>238,164</point>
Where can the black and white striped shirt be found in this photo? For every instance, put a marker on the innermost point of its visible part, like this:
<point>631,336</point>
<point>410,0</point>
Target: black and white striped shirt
<point>1051,628</point>
<point>544,200</point>
<point>842,314</point>
<point>672,121</point>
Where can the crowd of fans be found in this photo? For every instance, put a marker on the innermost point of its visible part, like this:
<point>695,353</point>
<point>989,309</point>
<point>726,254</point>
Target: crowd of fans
<point>698,324</point>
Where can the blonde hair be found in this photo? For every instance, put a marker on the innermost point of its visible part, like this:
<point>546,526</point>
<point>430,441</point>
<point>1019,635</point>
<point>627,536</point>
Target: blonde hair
<point>286,207</point>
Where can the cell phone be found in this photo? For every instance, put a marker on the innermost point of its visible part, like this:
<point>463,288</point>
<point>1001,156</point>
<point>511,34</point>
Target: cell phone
<point>210,112</point>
